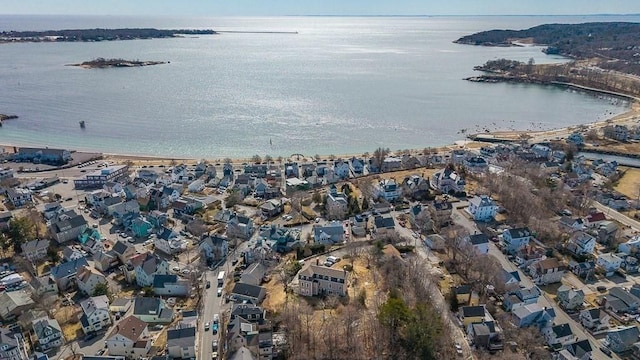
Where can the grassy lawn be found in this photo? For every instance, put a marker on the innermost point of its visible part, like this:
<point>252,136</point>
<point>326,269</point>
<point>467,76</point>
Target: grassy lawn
<point>629,184</point>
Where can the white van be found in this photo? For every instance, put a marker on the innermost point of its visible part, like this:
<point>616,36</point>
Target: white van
<point>332,259</point>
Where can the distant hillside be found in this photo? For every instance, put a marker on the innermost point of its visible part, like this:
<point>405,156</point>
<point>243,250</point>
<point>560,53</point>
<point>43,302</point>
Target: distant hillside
<point>607,40</point>
<point>95,34</point>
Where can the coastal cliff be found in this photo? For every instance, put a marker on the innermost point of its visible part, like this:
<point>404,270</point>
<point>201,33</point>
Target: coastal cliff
<point>101,63</point>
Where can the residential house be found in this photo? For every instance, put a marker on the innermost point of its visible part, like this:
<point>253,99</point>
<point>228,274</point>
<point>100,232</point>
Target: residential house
<point>594,319</point>
<point>18,197</point>
<point>152,310</point>
<point>196,186</point>
<point>35,250</point>
<point>247,292</point>
<point>472,314</point>
<point>607,231</point>
<point>89,234</point>
<point>529,254</point>
<point>359,225</point>
<point>388,190</point>
<point>533,315</point>
<point>482,208</point>
<point>214,248</point>
<point>631,246</point>
<point>569,298</point>
<point>622,338</point>
<point>48,333</point>
<point>141,228</point>
<point>341,168</point>
<point>170,285</point>
<point>337,205</point>
<point>240,226</point>
<point>95,314</point>
<point>281,239</point>
<point>617,132</point>
<point>125,212</point>
<point>520,297</point>
<point>357,166</point>
<point>43,284</point>
<point>621,301</point>
<point>465,295</point>
<point>124,251</point>
<point>271,208</point>
<point>515,239</point>
<point>609,262</point>
<point>5,218</point>
<point>576,138</point>
<point>104,260</point>
<point>572,224</point>
<point>577,350</point>
<point>447,181</point>
<point>475,164</point>
<point>157,218</point>
<point>479,243</point>
<point>189,319</point>
<point>317,280</point>
<point>169,242</point>
<point>65,273</point>
<point>130,338</point>
<point>181,343</point>
<point>383,225</point>
<point>558,335</point>
<point>72,253</point>
<point>541,151</point>
<point>416,187</point>
<point>147,266</point>
<point>11,344</point>
<point>547,271</point>
<point>441,212</point>
<point>391,163</point>
<point>67,227</point>
<point>584,269</point>
<point>14,303</point>
<point>254,274</point>
<point>120,305</point>
<point>329,234</point>
<point>581,243</point>
<point>88,279</point>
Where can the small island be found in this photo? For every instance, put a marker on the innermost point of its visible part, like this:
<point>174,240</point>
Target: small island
<point>4,117</point>
<point>101,63</point>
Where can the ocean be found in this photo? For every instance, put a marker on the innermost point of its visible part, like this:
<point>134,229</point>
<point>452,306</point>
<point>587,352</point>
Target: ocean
<point>340,85</point>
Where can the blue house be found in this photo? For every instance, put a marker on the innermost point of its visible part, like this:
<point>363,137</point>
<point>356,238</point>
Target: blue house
<point>520,297</point>
<point>89,233</point>
<point>141,227</point>
<point>329,234</point>
<point>516,239</point>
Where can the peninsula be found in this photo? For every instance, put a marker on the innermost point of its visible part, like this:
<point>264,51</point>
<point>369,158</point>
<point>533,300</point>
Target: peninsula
<point>101,63</point>
<point>90,35</point>
<point>612,45</point>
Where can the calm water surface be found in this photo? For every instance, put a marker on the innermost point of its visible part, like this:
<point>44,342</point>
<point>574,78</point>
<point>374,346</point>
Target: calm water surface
<point>341,85</point>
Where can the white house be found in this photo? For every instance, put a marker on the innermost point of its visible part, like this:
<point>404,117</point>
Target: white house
<point>479,242</point>
<point>581,243</point>
<point>95,314</point>
<point>482,208</point>
<point>447,180</point>
<point>147,267</point>
<point>130,338</point>
<point>196,186</point>
<point>388,189</point>
<point>48,333</point>
<point>558,334</point>
<point>516,239</point>
<point>88,278</point>
<point>595,319</point>
<point>181,343</point>
<point>609,262</point>
<point>633,245</point>
<point>547,271</point>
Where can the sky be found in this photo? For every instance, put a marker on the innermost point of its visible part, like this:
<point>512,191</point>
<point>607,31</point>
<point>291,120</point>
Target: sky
<point>318,7</point>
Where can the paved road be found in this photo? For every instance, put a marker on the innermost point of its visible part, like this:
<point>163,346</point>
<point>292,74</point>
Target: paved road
<point>545,301</point>
<point>212,305</point>
<point>613,214</point>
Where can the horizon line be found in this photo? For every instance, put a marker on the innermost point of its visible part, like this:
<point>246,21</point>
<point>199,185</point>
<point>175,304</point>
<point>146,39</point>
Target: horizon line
<point>331,15</point>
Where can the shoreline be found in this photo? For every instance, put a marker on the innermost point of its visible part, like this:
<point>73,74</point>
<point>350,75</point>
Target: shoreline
<point>631,115</point>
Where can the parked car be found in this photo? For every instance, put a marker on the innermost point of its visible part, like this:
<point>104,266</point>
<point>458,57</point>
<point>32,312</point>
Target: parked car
<point>601,288</point>
<point>207,326</point>
<point>219,292</point>
<point>458,349</point>
<point>208,284</point>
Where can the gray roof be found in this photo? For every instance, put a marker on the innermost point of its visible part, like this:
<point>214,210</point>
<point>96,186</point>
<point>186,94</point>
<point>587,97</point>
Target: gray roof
<point>562,330</point>
<point>384,222</point>
<point>244,310</point>
<point>473,311</point>
<point>579,348</point>
<point>623,295</point>
<point>39,325</point>
<point>628,335</point>
<point>519,232</point>
<point>7,338</point>
<point>160,280</point>
<point>68,268</point>
<point>248,290</point>
<point>478,239</point>
<point>481,329</point>
<point>185,337</point>
<point>146,305</point>
<point>35,245</point>
<point>120,247</point>
<point>71,223</point>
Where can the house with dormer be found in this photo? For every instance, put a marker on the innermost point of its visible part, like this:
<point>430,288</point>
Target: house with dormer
<point>548,271</point>
<point>447,181</point>
<point>129,338</point>
<point>329,234</point>
<point>214,248</point>
<point>558,335</point>
<point>482,208</point>
<point>147,266</point>
<point>595,319</point>
<point>581,243</point>
<point>95,314</point>
<point>337,205</point>
<point>520,297</point>
<point>152,310</point>
<point>240,226</point>
<point>609,263</point>
<point>48,333</point>
<point>170,285</point>
<point>67,227</point>
<point>569,298</point>
<point>124,251</point>
<point>622,338</point>
<point>388,190</point>
<point>65,273</point>
<point>11,344</point>
<point>533,315</point>
<point>357,166</point>
<point>515,239</point>
<point>479,243</point>
<point>88,279</point>
<point>317,280</point>
<point>35,250</point>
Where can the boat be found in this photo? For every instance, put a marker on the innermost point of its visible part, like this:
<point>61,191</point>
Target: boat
<point>82,126</point>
